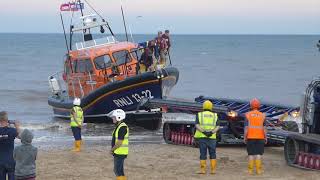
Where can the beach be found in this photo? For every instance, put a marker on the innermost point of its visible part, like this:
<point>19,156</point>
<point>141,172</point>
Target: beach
<point>227,62</point>
<point>161,161</point>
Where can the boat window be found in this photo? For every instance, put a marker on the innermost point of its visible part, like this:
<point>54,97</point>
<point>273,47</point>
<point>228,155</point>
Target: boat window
<point>136,53</point>
<point>122,57</point>
<point>102,62</point>
<point>67,68</point>
<point>81,66</point>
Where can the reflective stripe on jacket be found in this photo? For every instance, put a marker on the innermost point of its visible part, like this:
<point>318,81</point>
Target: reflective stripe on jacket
<point>76,117</point>
<point>255,128</point>
<point>207,121</point>
<point>124,148</point>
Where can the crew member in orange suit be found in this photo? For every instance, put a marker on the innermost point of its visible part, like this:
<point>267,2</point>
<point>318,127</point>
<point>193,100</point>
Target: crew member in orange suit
<point>255,136</point>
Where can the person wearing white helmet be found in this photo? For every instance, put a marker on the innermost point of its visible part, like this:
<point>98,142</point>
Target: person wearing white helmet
<point>76,117</point>
<point>120,142</point>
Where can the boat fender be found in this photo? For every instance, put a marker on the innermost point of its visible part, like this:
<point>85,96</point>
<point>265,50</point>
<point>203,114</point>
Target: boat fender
<point>54,85</point>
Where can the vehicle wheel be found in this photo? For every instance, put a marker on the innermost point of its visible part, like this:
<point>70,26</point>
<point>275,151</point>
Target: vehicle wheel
<point>290,126</point>
<point>291,151</point>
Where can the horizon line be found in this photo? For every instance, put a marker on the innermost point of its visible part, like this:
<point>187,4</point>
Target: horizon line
<point>253,34</point>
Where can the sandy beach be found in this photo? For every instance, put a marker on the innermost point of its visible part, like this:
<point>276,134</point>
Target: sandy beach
<point>161,161</point>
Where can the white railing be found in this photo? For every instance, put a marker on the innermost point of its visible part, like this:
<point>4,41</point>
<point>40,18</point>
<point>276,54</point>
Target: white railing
<point>95,43</point>
<point>60,88</point>
<point>57,87</point>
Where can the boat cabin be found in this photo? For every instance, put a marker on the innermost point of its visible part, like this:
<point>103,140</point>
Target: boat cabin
<point>96,59</point>
<point>87,69</point>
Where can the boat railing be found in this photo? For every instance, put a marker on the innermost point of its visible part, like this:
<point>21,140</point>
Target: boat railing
<point>56,85</point>
<point>63,86</point>
<point>82,84</point>
<point>95,42</point>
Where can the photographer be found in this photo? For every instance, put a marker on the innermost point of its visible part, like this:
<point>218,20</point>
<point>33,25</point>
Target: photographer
<point>7,136</point>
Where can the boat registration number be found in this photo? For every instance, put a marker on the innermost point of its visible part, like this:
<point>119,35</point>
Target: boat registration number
<point>133,98</point>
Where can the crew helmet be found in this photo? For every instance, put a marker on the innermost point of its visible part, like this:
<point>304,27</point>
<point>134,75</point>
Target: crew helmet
<point>255,103</point>
<point>119,114</point>
<point>207,105</point>
<point>77,101</point>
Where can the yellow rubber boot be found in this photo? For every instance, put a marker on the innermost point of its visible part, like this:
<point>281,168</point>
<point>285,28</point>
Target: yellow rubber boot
<point>213,163</point>
<point>74,146</point>
<point>121,178</point>
<point>77,145</point>
<point>259,166</point>
<point>203,167</point>
<point>250,167</point>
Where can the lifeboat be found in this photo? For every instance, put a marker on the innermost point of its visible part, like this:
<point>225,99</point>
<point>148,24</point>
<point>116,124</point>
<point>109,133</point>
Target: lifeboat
<point>104,72</point>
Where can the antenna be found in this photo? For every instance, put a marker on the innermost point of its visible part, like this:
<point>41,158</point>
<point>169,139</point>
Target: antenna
<point>64,32</point>
<point>124,21</point>
<point>131,34</point>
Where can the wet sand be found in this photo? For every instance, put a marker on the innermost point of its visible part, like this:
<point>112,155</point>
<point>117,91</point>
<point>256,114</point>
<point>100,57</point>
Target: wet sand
<point>161,161</point>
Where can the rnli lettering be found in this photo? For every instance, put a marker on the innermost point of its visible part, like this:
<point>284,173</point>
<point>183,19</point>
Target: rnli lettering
<point>124,101</point>
<point>131,99</point>
<point>208,115</point>
<point>2,137</point>
<point>255,115</point>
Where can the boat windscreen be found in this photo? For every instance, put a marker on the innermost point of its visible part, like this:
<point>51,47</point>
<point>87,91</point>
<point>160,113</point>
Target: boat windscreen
<point>102,62</point>
<point>82,66</point>
<point>136,53</point>
<point>122,57</point>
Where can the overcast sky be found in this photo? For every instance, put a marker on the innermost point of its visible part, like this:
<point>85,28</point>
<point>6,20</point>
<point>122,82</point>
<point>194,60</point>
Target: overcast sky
<point>180,16</point>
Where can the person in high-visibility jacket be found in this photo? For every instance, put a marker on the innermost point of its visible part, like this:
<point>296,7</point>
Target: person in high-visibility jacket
<point>207,126</point>
<point>255,136</point>
<point>76,117</point>
<point>120,142</point>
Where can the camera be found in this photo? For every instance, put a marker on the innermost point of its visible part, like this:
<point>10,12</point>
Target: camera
<point>11,122</point>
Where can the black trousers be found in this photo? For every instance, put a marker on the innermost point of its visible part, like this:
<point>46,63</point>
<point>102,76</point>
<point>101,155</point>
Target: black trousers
<point>76,131</point>
<point>118,165</point>
<point>7,169</point>
<point>255,146</point>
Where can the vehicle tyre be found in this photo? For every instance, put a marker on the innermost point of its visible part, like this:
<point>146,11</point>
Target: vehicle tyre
<point>291,151</point>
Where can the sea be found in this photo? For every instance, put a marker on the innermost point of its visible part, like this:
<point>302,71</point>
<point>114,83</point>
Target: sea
<point>273,68</point>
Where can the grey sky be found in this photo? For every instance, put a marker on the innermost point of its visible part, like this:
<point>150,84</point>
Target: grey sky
<point>180,16</point>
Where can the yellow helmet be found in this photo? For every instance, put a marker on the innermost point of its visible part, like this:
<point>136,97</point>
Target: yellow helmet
<point>207,105</point>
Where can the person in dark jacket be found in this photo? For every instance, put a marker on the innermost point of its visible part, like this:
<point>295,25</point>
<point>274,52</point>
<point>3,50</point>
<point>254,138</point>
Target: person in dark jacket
<point>7,136</point>
<point>162,49</point>
<point>147,57</point>
<point>25,157</point>
<point>166,36</point>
